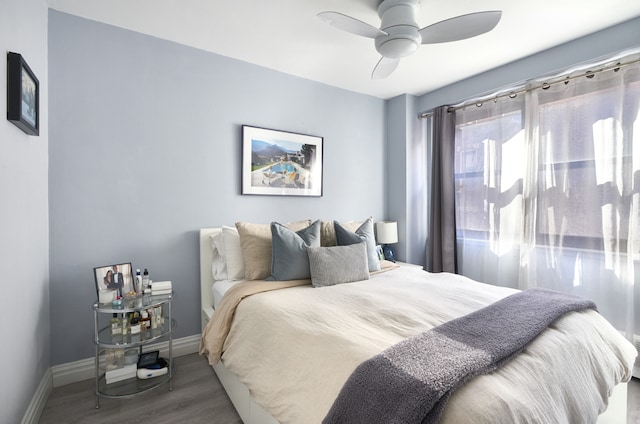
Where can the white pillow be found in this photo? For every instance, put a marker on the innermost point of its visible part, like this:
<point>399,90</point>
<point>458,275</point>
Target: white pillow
<point>233,253</point>
<point>227,255</point>
<point>218,264</point>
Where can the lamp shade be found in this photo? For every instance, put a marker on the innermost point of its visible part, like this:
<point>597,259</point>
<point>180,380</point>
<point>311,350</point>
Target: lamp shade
<point>387,232</point>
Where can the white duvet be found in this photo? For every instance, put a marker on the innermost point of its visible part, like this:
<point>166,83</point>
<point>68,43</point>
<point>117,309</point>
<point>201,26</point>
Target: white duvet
<point>294,348</point>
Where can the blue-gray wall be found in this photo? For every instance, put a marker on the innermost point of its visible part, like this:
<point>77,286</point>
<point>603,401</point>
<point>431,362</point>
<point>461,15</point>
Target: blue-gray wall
<point>407,191</point>
<point>24,219</point>
<point>145,149</point>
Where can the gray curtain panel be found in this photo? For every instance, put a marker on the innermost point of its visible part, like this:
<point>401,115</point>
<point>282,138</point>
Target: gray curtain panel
<point>441,248</point>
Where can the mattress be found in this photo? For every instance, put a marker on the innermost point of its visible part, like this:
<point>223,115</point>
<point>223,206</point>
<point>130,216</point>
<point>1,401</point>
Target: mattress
<point>219,288</point>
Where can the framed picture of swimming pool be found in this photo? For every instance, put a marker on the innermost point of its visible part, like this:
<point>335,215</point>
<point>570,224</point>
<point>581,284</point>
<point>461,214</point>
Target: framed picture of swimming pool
<point>281,163</point>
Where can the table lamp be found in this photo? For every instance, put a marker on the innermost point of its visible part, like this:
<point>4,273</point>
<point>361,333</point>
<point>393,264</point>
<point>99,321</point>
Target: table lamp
<point>387,233</point>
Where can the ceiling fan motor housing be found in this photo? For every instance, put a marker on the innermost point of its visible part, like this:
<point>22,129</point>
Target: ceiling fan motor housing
<point>399,22</point>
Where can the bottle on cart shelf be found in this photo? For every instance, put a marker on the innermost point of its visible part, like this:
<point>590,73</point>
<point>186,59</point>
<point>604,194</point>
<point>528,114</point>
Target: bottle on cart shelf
<point>134,325</point>
<point>153,318</point>
<point>139,288</point>
<point>145,322</point>
<point>145,279</point>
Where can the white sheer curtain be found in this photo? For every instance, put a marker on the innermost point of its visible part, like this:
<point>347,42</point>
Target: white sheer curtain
<point>548,191</point>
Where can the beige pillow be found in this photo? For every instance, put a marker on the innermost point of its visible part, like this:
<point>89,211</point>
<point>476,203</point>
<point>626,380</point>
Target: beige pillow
<point>255,242</point>
<point>328,232</point>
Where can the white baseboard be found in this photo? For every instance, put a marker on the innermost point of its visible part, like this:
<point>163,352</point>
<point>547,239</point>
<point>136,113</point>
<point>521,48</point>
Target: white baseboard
<point>39,400</point>
<point>72,372</point>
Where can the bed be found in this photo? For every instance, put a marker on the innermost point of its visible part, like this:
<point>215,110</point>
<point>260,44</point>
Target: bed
<point>551,375</point>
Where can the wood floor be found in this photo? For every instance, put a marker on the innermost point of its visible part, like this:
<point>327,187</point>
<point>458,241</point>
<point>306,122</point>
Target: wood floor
<point>197,397</point>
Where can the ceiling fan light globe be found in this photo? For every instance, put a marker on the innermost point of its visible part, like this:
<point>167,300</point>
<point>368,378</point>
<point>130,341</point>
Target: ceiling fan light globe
<point>396,47</point>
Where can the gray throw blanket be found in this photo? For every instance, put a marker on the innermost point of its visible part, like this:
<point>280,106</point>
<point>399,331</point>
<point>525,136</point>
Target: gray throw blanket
<point>411,381</point>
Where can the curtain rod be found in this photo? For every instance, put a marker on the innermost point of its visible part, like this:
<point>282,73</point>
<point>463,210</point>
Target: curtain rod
<point>544,85</point>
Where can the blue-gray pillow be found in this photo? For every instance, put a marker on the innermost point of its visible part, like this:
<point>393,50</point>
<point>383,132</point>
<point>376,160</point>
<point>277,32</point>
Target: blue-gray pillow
<point>364,233</point>
<point>289,259</point>
<point>338,264</point>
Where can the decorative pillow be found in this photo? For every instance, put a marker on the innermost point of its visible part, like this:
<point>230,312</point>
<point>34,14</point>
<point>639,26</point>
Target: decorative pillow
<point>338,264</point>
<point>328,232</point>
<point>255,241</point>
<point>364,233</point>
<point>289,251</point>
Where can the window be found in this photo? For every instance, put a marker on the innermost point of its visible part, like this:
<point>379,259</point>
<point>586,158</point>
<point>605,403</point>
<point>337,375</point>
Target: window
<point>548,191</point>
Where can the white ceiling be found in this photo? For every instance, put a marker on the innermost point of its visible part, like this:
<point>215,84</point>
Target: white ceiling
<point>286,35</point>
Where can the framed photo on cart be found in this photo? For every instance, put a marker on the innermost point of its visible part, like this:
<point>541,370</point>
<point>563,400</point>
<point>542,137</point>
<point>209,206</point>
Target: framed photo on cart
<point>281,163</point>
<point>114,277</point>
<point>23,95</point>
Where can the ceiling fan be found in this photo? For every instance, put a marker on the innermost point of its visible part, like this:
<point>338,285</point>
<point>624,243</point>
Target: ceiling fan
<point>400,36</point>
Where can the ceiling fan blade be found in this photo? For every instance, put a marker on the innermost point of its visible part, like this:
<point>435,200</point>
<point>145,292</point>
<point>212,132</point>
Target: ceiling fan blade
<point>385,67</point>
<point>349,24</point>
<point>460,27</point>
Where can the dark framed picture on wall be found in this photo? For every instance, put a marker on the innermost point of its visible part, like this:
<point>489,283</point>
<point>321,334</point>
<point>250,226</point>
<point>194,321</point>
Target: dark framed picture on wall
<point>23,95</point>
<point>114,280</point>
<point>281,163</point>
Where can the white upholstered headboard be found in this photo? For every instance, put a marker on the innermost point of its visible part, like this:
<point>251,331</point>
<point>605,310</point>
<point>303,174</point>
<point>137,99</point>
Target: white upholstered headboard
<point>206,276</point>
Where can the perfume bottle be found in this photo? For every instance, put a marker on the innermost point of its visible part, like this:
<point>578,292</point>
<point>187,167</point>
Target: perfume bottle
<point>139,288</point>
<point>145,279</point>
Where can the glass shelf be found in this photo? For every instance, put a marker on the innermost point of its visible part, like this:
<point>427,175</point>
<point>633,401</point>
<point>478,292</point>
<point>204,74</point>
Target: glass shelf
<point>132,386</point>
<point>106,339</point>
<point>131,304</point>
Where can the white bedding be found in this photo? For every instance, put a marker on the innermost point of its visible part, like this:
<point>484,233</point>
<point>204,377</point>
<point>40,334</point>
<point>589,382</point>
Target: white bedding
<point>295,347</point>
<point>219,288</point>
